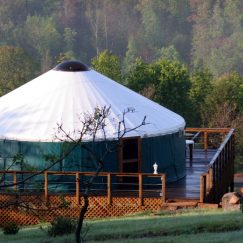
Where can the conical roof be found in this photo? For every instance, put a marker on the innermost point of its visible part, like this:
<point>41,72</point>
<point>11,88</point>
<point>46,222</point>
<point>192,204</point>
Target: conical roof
<point>63,94</point>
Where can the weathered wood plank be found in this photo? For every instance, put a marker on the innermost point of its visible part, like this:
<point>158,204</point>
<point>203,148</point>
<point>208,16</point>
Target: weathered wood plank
<point>189,186</point>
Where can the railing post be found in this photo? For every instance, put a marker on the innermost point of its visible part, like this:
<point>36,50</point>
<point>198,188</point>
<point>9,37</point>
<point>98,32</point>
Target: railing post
<point>207,189</point>
<point>15,181</point>
<point>220,176</point>
<point>109,188</point>
<point>205,140</point>
<point>232,162</point>
<point>217,188</point>
<point>202,189</point>
<point>77,189</point>
<point>140,180</point>
<point>46,185</point>
<point>213,195</point>
<point>163,188</point>
<point>210,178</point>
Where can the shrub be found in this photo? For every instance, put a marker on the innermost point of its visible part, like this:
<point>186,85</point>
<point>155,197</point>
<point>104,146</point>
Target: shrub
<point>62,226</point>
<point>10,228</point>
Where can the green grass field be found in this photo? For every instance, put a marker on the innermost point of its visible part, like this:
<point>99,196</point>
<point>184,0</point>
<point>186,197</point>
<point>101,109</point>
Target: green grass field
<point>181,226</point>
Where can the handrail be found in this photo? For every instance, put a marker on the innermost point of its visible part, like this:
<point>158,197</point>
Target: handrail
<point>211,130</point>
<point>120,176</point>
<point>219,178</point>
<point>205,132</point>
<point>227,138</point>
<point>196,135</point>
<point>80,172</point>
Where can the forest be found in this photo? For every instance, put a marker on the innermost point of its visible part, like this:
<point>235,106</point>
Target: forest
<point>186,55</point>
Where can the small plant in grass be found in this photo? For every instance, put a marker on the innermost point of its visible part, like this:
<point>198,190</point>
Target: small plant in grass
<point>10,228</point>
<point>241,204</point>
<point>62,226</point>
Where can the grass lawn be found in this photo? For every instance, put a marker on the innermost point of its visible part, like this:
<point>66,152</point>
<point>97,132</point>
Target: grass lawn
<point>181,226</point>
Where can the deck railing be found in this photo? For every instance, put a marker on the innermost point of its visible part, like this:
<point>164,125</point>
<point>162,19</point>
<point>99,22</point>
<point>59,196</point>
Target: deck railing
<point>219,178</point>
<point>138,185</point>
<point>207,138</point>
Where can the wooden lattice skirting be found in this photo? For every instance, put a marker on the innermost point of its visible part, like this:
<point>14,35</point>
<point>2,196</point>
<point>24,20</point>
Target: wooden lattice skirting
<point>33,209</point>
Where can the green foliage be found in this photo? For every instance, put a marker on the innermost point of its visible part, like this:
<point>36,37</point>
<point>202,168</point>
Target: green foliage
<point>139,75</point>
<point>169,53</point>
<point>130,56</point>
<point>166,82</point>
<point>172,86</point>
<point>16,67</point>
<point>50,157</point>
<point>107,64</point>
<point>209,30</point>
<point>201,87</point>
<point>21,163</point>
<point>10,228</point>
<point>18,159</point>
<point>158,19</point>
<point>61,226</point>
<point>65,56</point>
<point>64,202</point>
<point>69,38</point>
<point>226,89</point>
<point>217,37</point>
<point>44,37</point>
<point>224,105</point>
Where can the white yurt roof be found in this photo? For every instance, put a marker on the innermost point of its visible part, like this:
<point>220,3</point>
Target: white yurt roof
<point>63,94</point>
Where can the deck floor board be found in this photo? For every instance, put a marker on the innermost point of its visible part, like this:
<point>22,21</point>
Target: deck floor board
<point>189,186</point>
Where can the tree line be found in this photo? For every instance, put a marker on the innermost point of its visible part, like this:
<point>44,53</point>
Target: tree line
<point>199,33</point>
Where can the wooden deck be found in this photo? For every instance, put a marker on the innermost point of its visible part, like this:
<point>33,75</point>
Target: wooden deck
<point>188,188</point>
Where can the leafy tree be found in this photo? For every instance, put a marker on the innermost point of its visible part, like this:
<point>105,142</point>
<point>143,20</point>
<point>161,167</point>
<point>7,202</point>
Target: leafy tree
<point>172,86</point>
<point>16,66</point>
<point>107,64</point>
<point>169,53</point>
<point>201,86</point>
<point>11,14</point>
<point>201,39</point>
<point>72,21</point>
<point>166,82</point>
<point>69,53</point>
<point>130,56</point>
<point>94,16</point>
<point>140,79</point>
<point>158,19</point>
<point>43,37</point>
<point>120,20</point>
<point>69,38</point>
<point>65,56</point>
<point>217,36</point>
<point>233,15</point>
<point>227,89</point>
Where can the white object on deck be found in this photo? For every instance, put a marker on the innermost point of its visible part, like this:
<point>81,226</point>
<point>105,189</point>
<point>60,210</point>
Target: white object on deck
<point>190,145</point>
<point>188,142</point>
<point>155,168</point>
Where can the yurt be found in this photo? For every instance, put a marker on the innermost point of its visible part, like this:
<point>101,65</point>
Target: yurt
<point>29,116</point>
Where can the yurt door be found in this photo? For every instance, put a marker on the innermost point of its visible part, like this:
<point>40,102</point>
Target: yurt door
<point>130,155</point>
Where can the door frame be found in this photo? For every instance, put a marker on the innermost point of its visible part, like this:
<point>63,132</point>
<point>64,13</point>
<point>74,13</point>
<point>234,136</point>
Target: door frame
<point>120,154</point>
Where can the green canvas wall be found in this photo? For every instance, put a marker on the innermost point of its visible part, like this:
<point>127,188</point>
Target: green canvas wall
<point>167,151</point>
